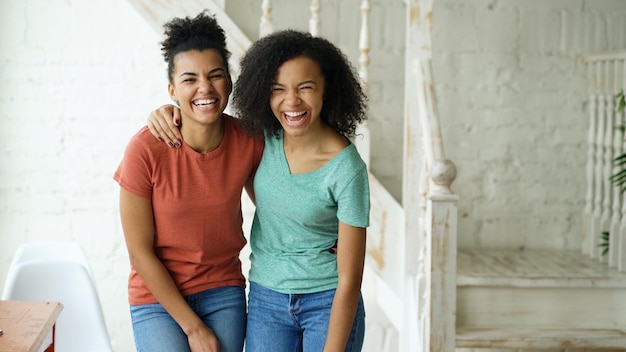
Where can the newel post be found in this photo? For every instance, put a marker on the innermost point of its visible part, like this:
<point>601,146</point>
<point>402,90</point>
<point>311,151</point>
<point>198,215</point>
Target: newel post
<point>441,233</point>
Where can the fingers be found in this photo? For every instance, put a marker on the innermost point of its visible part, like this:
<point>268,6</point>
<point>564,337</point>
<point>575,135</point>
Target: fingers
<point>204,341</point>
<point>163,124</point>
<point>168,117</point>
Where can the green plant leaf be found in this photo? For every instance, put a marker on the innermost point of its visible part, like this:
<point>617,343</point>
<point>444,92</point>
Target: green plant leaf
<point>619,158</point>
<point>621,101</point>
<point>604,242</point>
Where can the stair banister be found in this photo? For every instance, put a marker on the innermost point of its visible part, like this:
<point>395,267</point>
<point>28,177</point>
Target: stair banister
<point>588,212</point>
<point>266,26</point>
<point>314,22</point>
<point>618,138</point>
<point>620,243</point>
<point>363,138</point>
<point>431,222</point>
<point>605,207</point>
<point>605,221</point>
<point>596,227</point>
<point>440,222</point>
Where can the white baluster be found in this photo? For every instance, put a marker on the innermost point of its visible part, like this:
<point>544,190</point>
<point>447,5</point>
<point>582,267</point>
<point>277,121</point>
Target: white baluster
<point>364,45</point>
<point>314,22</point>
<point>607,115</point>
<point>595,228</point>
<point>621,243</point>
<point>363,138</point>
<point>266,27</point>
<point>618,137</point>
<point>591,155</point>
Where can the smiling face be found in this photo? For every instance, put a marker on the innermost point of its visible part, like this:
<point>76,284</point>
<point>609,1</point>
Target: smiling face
<point>298,95</point>
<point>200,85</point>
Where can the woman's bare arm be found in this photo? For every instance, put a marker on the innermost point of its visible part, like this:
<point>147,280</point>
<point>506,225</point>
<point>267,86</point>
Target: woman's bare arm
<point>137,222</point>
<point>350,264</point>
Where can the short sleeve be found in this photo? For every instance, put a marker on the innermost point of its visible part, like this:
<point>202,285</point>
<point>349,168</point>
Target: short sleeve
<point>134,172</point>
<point>353,204</point>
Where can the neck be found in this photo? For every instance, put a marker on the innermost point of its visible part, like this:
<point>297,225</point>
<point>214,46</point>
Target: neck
<point>205,138</point>
<point>312,140</point>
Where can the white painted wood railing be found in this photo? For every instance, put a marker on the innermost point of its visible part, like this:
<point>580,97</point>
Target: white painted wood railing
<point>605,205</point>
<point>412,246</point>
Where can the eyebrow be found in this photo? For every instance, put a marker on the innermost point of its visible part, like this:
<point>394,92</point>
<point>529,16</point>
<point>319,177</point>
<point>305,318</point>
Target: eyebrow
<point>210,72</point>
<point>301,83</point>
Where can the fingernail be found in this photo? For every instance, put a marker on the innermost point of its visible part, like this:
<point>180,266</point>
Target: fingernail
<point>170,144</point>
<point>177,144</point>
<point>161,139</point>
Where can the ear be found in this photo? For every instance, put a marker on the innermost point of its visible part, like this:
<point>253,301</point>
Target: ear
<point>172,91</point>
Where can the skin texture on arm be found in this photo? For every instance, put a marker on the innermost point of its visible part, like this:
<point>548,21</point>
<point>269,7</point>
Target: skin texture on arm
<point>350,263</point>
<point>138,224</point>
<point>164,124</point>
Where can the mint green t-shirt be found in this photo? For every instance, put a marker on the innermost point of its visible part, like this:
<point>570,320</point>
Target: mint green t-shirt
<point>297,218</point>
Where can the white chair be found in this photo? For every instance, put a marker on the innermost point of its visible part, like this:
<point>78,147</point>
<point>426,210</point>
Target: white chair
<point>52,249</point>
<point>80,326</point>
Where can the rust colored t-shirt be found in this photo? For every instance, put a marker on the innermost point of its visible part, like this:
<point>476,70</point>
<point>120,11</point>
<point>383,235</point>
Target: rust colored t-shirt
<point>196,200</point>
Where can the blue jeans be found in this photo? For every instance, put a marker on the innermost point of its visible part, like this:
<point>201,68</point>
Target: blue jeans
<point>294,322</point>
<point>222,309</point>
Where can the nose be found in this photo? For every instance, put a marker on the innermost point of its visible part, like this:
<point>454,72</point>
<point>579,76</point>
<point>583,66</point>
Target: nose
<point>204,86</point>
<point>293,97</point>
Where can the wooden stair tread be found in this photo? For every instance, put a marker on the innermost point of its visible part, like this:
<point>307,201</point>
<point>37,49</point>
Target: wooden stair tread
<point>534,268</point>
<point>522,337</point>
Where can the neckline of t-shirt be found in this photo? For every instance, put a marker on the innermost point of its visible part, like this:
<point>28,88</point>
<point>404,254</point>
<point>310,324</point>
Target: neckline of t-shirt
<point>285,164</point>
<point>187,149</point>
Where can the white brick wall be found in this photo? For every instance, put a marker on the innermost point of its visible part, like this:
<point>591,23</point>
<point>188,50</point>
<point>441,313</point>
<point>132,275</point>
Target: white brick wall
<point>78,78</point>
<point>512,99</point>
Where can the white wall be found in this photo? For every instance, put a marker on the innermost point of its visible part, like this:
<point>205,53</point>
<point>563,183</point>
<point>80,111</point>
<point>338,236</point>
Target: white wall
<point>78,78</point>
<point>512,96</point>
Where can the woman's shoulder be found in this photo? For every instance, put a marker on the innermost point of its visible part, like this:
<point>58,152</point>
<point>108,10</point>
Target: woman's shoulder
<point>350,155</point>
<point>144,142</point>
<point>348,159</point>
<point>144,137</point>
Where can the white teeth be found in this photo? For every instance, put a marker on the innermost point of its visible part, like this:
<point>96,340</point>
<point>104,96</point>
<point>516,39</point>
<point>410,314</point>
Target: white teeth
<point>205,101</point>
<point>294,114</point>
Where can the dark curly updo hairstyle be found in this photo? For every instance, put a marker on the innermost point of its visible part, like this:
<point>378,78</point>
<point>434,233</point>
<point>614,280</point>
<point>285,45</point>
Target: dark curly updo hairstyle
<point>199,33</point>
<point>345,103</point>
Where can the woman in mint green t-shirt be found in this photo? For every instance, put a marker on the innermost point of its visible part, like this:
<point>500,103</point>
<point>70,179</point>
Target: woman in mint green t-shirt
<point>311,193</point>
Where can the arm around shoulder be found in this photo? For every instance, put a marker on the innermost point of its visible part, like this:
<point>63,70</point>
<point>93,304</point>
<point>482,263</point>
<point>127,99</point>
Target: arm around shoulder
<point>164,125</point>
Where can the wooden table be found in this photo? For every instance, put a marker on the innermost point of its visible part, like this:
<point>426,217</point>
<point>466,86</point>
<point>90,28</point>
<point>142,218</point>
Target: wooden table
<point>26,324</point>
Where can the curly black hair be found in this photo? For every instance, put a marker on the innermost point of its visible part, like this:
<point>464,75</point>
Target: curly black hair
<point>199,33</point>
<point>345,103</point>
